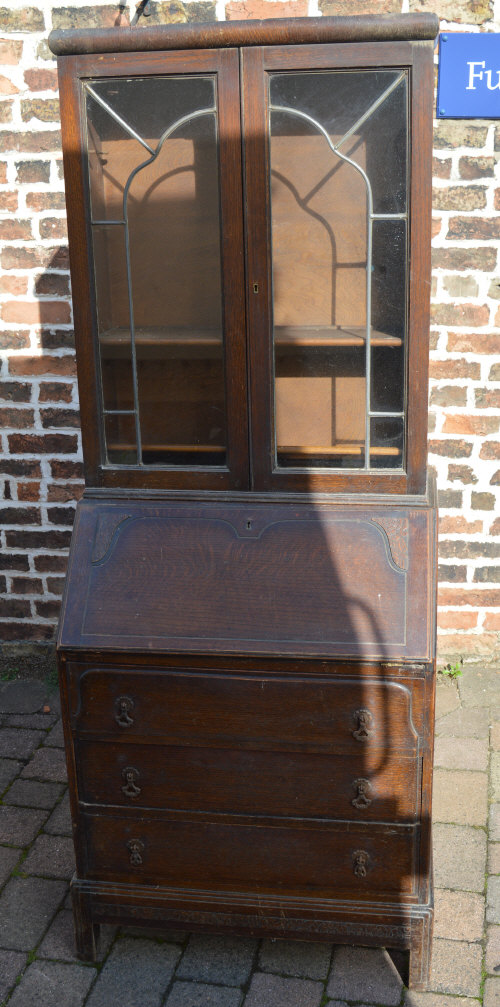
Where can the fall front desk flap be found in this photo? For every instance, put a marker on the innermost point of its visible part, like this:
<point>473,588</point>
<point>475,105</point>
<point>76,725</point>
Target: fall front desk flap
<point>251,578</point>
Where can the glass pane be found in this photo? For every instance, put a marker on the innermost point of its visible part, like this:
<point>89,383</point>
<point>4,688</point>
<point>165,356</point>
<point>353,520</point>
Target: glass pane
<point>330,177</point>
<point>165,258</point>
<point>388,315</point>
<point>120,439</point>
<point>386,451</point>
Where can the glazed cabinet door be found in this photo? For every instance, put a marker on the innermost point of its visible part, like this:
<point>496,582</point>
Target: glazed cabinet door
<point>160,188</point>
<point>338,215</point>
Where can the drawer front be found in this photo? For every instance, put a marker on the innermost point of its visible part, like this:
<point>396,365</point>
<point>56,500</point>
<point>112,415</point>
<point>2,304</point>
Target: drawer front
<point>367,787</point>
<point>320,860</point>
<point>255,711</point>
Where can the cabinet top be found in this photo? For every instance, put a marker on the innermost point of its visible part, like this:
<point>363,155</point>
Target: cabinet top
<point>221,34</point>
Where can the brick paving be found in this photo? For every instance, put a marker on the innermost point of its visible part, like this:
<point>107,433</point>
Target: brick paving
<point>37,956</point>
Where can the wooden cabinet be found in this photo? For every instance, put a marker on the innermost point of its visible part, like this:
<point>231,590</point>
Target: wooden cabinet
<point>246,644</point>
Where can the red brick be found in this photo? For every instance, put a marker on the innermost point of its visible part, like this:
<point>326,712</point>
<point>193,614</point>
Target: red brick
<point>450,448</point>
<point>29,258</point>
<point>243,10</point>
<point>14,561</point>
<point>10,52</point>
<point>57,339</point>
<point>28,491</point>
<point>455,596</point>
<point>15,285</point>
<point>55,391</point>
<point>91,16</point>
<point>27,585</point>
<point>34,444</point>
<point>21,19</point>
<point>33,171</point>
<point>441,167</point>
<point>3,172</point>
<point>7,86</point>
<point>488,398</point>
<point>458,525</point>
<point>475,342</point>
<point>13,391</point>
<point>60,418</point>
<point>41,80</point>
<point>483,501</point>
<point>24,631</point>
<point>8,202</point>
<point>496,199</point>
<point>31,142</point>
<point>22,539</point>
<point>17,467</point>
<point>474,228</point>
<point>449,369</point>
<point>457,620</point>
<point>465,258</point>
<point>476,167</point>
<point>19,419</point>
<point>6,108</point>
<point>15,230</point>
<point>37,312</point>
<point>42,365</point>
<point>20,515</point>
<point>461,473</point>
<point>459,314</point>
<point>14,608</point>
<point>61,515</point>
<point>52,285</point>
<point>490,450</point>
<point>40,201</point>
<point>10,340</point>
<point>497,318</point>
<point>48,609</point>
<point>465,11</point>
<point>450,134</point>
<point>51,564</point>
<point>473,425</point>
<point>53,227</point>
<point>473,644</point>
<point>495,528</point>
<point>449,395</point>
<point>436,226</point>
<point>44,109</point>
<point>65,494</point>
<point>63,469</point>
<point>459,197</point>
<point>55,585</point>
<point>492,621</point>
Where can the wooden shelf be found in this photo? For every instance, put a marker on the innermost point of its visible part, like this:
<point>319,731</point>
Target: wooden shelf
<point>337,449</point>
<point>177,340</point>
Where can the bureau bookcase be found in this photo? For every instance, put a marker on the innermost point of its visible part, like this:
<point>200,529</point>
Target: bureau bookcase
<point>247,638</point>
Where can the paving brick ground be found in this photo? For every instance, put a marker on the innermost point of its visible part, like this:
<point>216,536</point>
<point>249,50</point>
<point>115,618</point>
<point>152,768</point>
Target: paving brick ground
<point>38,965</point>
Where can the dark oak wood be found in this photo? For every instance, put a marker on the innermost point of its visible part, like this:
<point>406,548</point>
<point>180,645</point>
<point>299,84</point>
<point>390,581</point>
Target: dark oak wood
<point>282,31</point>
<point>247,652</point>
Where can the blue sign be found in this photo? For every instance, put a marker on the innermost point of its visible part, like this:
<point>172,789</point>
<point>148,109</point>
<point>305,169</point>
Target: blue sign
<point>469,76</point>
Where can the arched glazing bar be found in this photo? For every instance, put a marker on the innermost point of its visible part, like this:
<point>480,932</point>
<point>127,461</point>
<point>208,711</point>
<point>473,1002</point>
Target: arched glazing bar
<point>370,218</point>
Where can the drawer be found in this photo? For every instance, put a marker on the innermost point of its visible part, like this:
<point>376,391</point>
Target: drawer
<point>230,710</point>
<point>366,787</point>
<point>324,860</point>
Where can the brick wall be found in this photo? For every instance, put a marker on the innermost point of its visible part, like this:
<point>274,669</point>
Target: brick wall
<point>40,450</point>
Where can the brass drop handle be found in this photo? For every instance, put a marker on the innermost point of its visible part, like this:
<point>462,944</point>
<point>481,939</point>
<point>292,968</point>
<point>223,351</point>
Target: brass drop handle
<point>123,708</point>
<point>360,860</point>
<point>364,725</point>
<point>135,847</point>
<point>362,789</point>
<point>130,775</point>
